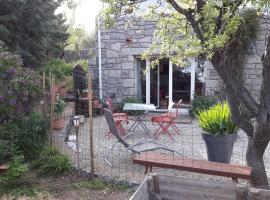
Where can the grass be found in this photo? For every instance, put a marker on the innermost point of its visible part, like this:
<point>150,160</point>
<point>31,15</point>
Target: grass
<point>38,196</point>
<point>19,191</point>
<point>35,187</point>
<point>97,184</point>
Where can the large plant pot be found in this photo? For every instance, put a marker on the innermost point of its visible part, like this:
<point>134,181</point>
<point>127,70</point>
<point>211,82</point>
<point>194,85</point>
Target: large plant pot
<point>58,123</point>
<point>219,148</point>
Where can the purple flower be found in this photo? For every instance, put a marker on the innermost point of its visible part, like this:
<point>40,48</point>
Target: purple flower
<point>12,101</point>
<point>1,98</point>
<point>12,70</point>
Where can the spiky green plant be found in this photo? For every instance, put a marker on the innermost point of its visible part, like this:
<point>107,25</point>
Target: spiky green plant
<point>217,120</point>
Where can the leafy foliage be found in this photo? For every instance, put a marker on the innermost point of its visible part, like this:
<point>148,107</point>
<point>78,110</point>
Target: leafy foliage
<point>217,120</point>
<point>59,68</point>
<point>31,136</point>
<point>52,162</point>
<point>79,39</point>
<point>32,28</point>
<point>200,103</point>
<point>59,107</point>
<point>20,87</point>
<point>241,43</point>
<point>15,171</point>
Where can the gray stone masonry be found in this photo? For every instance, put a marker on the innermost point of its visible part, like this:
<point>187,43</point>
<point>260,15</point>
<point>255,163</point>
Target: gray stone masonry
<point>119,55</point>
<point>252,73</point>
<point>119,65</point>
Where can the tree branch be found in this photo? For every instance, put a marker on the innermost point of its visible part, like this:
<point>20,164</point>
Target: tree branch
<point>236,115</point>
<point>189,14</point>
<point>200,5</point>
<point>265,91</point>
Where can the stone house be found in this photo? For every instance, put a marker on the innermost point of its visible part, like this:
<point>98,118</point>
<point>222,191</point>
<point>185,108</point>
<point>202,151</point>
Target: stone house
<point>125,74</point>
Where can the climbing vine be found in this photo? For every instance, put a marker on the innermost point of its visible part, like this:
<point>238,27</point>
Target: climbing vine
<point>240,45</point>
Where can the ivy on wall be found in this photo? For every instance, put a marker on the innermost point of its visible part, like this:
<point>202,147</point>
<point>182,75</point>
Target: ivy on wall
<point>242,42</point>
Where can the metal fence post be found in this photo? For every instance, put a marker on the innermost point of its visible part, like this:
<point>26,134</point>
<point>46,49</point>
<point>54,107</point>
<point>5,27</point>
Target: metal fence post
<point>90,97</point>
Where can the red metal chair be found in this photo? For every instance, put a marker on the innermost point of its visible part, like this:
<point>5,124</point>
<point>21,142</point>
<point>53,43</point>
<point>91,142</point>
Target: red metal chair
<point>119,118</point>
<point>165,121</point>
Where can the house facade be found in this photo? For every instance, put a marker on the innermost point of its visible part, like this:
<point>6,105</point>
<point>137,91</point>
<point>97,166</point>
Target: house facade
<point>120,72</point>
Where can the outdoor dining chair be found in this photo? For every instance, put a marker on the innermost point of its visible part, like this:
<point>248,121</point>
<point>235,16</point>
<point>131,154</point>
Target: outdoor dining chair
<point>143,145</point>
<point>165,121</point>
<point>119,118</point>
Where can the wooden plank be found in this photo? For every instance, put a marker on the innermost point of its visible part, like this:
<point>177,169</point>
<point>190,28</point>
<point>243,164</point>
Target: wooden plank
<point>188,189</point>
<point>186,164</point>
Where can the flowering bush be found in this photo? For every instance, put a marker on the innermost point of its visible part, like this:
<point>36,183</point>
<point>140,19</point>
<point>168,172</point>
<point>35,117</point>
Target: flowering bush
<point>19,87</point>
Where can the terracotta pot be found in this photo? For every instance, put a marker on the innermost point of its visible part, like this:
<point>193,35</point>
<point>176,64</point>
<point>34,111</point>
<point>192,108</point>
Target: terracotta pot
<point>58,123</point>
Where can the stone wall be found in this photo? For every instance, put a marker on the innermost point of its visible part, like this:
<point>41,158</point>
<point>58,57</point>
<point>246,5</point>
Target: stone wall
<point>119,65</point>
<point>252,73</point>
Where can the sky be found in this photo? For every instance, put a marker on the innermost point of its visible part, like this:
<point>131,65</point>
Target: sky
<point>87,11</point>
<point>85,14</point>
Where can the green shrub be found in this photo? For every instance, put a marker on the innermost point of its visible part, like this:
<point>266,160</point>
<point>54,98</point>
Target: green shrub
<point>200,103</point>
<point>217,120</point>
<point>83,63</point>
<point>16,169</point>
<point>59,107</point>
<point>130,100</point>
<point>8,131</point>
<point>59,68</point>
<point>52,162</point>
<point>31,136</point>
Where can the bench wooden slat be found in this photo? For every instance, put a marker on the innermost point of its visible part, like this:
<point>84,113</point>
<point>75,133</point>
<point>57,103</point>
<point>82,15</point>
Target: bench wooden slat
<point>154,159</point>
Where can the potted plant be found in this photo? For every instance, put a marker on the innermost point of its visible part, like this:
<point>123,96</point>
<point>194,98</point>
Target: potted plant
<point>58,122</point>
<point>218,132</point>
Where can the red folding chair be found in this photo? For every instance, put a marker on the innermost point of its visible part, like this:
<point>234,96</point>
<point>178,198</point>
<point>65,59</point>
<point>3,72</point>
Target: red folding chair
<point>165,121</point>
<point>119,118</point>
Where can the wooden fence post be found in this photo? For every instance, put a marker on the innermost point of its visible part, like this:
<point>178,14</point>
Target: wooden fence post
<point>44,92</point>
<point>90,97</point>
<point>52,85</point>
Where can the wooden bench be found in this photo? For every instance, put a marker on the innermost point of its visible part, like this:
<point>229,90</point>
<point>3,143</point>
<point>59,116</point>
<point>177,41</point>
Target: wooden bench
<point>154,159</point>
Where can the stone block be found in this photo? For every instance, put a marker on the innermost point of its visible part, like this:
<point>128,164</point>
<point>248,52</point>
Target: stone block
<point>146,40</point>
<point>116,46</point>
<point>130,58</point>
<point>132,51</point>
<point>128,74</point>
<point>128,65</point>
<point>115,73</point>
<point>128,83</point>
<point>111,54</point>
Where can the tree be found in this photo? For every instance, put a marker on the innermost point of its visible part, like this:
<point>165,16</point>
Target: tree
<point>188,28</point>
<point>79,39</point>
<point>32,29</point>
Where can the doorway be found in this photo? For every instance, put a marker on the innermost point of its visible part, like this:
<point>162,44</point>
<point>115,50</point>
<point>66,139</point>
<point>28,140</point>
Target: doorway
<point>163,83</point>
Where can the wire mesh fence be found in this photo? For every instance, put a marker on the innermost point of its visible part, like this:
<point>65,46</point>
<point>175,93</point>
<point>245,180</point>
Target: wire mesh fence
<point>119,164</point>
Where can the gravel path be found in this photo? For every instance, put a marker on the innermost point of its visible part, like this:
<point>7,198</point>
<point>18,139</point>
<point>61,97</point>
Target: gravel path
<point>189,144</point>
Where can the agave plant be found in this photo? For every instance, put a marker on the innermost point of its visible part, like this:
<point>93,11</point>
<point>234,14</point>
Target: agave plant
<point>217,120</point>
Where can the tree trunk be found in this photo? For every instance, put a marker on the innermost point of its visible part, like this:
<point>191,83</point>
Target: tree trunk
<point>254,156</point>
